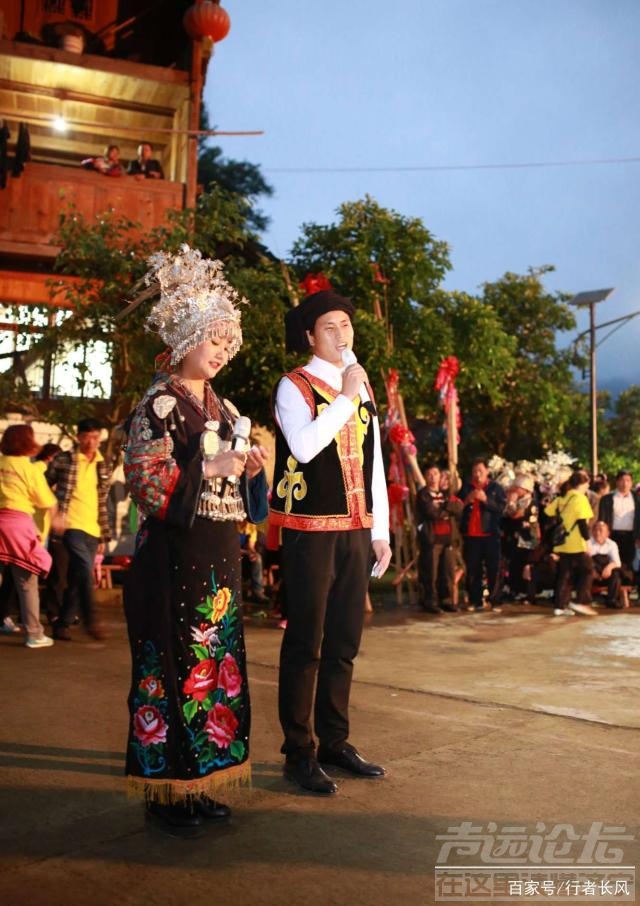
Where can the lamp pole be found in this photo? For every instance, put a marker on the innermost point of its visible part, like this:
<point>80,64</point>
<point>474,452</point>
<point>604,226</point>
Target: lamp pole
<point>589,300</point>
<point>593,390</point>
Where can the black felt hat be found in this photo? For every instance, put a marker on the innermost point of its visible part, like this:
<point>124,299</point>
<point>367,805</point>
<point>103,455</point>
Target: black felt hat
<point>300,319</point>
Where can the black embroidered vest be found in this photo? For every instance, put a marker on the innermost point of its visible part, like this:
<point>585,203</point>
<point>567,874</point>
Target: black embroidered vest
<point>333,491</point>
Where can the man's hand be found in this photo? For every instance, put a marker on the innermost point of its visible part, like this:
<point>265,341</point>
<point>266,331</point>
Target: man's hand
<point>353,378</point>
<point>382,550</point>
<point>59,523</point>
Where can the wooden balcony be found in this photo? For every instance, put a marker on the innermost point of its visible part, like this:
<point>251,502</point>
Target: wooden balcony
<point>31,204</point>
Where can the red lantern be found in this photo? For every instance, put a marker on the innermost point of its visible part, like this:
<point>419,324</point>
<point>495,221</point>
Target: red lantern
<point>206,19</point>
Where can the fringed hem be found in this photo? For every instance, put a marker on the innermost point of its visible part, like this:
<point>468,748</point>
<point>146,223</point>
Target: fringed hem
<point>168,792</point>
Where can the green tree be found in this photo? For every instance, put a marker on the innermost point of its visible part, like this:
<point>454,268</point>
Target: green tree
<point>539,399</point>
<point>407,322</point>
<point>618,435</point>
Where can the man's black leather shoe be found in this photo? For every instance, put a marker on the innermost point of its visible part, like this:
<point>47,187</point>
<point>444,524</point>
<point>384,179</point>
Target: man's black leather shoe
<point>309,775</point>
<point>349,759</point>
<point>61,632</point>
<point>212,810</point>
<point>177,820</point>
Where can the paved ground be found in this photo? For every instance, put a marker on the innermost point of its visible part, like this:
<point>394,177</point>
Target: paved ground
<point>522,720</point>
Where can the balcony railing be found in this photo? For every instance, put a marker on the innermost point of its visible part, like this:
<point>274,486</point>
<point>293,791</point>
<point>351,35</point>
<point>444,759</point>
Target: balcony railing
<point>31,204</point>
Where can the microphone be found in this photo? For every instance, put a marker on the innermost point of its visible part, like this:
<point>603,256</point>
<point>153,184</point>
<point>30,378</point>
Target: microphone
<point>241,432</point>
<point>349,358</point>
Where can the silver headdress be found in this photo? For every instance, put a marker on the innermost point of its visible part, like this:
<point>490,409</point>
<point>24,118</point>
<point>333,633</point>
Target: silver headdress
<point>196,302</point>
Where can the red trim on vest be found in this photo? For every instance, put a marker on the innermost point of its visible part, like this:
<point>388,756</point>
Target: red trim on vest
<point>352,472</point>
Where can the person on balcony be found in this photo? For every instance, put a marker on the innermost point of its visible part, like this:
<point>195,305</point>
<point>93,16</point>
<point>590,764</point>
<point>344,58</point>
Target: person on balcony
<point>146,166</point>
<point>109,164</point>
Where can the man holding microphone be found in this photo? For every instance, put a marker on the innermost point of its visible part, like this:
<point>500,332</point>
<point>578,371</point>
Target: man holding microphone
<point>330,499</point>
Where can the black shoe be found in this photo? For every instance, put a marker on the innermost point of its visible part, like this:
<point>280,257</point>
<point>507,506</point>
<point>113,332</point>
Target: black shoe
<point>177,820</point>
<point>61,632</point>
<point>431,608</point>
<point>349,759</point>
<point>450,608</point>
<point>309,775</point>
<point>97,631</point>
<point>212,810</point>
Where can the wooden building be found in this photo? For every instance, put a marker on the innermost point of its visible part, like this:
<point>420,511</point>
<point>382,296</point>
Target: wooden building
<point>75,77</point>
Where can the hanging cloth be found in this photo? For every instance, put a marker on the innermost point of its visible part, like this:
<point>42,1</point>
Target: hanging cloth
<point>4,142</point>
<point>23,150</point>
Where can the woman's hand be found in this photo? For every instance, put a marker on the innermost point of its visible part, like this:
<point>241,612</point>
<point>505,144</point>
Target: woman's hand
<point>223,465</point>
<point>256,460</point>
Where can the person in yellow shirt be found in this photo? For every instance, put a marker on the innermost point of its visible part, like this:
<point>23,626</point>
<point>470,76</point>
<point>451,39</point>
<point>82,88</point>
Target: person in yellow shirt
<point>51,597</point>
<point>574,564</point>
<point>248,548</point>
<point>81,481</point>
<point>23,491</point>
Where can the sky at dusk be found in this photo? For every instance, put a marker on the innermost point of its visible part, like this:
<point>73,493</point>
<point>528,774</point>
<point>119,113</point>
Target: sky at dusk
<point>432,107</point>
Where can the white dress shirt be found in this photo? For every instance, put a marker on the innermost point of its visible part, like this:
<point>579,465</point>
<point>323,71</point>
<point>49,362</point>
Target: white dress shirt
<point>307,436</point>
<point>608,547</point>
<point>624,509</point>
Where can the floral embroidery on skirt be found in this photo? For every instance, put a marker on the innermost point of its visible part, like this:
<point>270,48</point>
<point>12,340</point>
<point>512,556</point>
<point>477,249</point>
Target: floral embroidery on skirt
<point>189,702</point>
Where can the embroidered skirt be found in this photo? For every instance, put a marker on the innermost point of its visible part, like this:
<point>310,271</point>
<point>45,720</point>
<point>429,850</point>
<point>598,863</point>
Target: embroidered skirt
<point>189,699</point>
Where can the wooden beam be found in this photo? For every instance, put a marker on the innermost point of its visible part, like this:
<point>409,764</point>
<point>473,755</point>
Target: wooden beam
<point>21,288</point>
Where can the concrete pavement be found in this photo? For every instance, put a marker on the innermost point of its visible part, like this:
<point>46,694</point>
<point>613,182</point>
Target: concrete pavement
<point>520,719</point>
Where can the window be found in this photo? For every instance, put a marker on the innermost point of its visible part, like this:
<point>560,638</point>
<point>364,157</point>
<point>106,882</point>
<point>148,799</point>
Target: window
<point>73,369</point>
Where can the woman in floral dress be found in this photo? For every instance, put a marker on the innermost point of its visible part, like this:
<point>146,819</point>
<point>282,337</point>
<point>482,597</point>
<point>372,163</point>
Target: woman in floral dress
<point>189,701</point>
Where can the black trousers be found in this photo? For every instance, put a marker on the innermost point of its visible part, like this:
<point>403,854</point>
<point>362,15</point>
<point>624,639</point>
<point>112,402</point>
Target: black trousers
<point>326,575</point>
<point>576,569</point>
<point>479,552</point>
<point>626,547</point>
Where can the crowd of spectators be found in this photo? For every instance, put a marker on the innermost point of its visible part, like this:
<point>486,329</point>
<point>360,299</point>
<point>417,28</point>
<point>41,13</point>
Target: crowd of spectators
<point>519,539</point>
<point>53,524</point>
<point>508,537</point>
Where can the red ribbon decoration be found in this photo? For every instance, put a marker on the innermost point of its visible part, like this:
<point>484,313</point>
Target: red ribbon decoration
<point>397,494</point>
<point>400,435</point>
<point>445,384</point>
<point>315,283</point>
<point>162,361</point>
<point>447,374</point>
<point>378,276</point>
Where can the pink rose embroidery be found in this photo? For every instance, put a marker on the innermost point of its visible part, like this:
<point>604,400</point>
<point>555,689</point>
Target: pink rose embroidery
<point>229,677</point>
<point>149,726</point>
<point>221,726</point>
